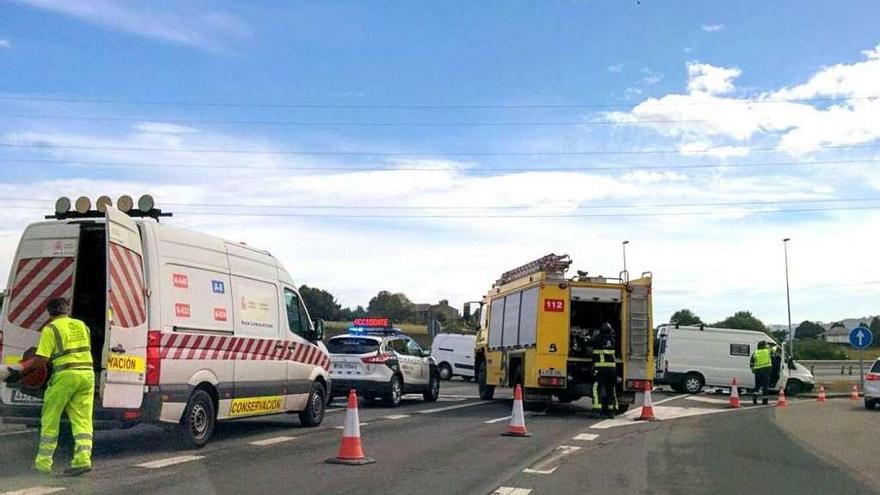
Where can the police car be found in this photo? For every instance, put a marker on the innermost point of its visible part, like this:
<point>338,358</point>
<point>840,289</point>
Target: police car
<point>379,361</point>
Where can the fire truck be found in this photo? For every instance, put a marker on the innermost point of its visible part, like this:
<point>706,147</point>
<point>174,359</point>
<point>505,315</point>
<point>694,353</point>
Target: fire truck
<point>538,325</point>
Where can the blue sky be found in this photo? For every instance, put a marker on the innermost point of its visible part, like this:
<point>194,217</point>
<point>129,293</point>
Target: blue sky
<point>504,83</point>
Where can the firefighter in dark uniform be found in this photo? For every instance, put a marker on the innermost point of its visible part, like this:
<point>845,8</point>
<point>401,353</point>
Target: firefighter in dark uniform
<point>605,372</point>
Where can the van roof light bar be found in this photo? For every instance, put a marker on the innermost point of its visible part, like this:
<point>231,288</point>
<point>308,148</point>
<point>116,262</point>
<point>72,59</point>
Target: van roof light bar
<point>553,264</point>
<point>83,208</point>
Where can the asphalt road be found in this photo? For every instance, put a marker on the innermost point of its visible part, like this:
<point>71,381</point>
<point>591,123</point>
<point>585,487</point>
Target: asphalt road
<point>454,446</point>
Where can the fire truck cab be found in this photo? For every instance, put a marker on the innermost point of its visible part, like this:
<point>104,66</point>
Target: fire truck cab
<point>537,328</point>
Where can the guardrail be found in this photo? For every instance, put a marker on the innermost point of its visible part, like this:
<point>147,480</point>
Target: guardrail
<point>843,368</point>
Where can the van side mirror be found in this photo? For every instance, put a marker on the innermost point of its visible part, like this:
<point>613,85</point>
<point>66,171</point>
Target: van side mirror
<point>318,332</point>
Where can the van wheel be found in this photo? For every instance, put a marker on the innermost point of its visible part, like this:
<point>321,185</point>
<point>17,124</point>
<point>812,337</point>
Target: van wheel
<point>433,392</point>
<point>198,419</point>
<point>314,411</point>
<point>693,383</point>
<point>793,387</point>
<point>486,391</point>
<point>395,392</point>
<point>445,371</point>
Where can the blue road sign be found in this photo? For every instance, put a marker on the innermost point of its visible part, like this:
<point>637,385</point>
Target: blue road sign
<point>861,337</point>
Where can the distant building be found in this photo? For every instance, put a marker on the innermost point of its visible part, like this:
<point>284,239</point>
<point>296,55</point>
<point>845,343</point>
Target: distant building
<point>837,335</point>
<point>441,312</point>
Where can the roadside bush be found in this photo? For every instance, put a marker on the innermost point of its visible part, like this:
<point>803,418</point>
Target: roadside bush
<point>816,349</point>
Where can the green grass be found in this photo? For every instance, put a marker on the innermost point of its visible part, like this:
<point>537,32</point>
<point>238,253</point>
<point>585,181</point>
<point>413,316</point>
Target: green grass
<point>869,354</point>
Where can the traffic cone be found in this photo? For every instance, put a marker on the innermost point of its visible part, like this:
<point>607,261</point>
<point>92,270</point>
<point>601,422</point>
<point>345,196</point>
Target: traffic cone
<point>350,451</point>
<point>517,426</point>
<point>647,407</point>
<point>781,401</point>
<point>855,393</point>
<point>822,397</point>
<point>734,395</point>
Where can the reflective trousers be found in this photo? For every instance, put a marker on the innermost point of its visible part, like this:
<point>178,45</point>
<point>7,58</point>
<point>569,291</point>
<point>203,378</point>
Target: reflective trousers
<point>73,392</point>
<point>604,390</point>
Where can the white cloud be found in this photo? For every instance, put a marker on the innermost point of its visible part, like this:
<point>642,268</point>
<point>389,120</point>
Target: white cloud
<point>616,68</point>
<point>197,23</point>
<point>708,116</point>
<point>5,43</point>
<point>712,28</point>
<point>651,78</point>
<point>706,78</point>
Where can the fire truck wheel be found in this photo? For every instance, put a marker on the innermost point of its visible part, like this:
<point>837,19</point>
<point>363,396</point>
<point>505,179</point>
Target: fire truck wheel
<point>445,371</point>
<point>314,411</point>
<point>198,419</point>
<point>486,391</point>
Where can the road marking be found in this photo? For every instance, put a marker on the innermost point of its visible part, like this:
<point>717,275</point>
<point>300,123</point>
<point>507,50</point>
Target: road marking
<point>35,490</point>
<point>335,409</point>
<point>552,462</point>
<point>343,427</point>
<point>585,437</point>
<point>507,490</point>
<point>459,406</point>
<point>169,461</point>
<point>10,433</point>
<point>454,396</point>
<point>708,400</point>
<point>451,399</point>
<point>497,420</point>
<point>271,441</point>
<point>397,416</point>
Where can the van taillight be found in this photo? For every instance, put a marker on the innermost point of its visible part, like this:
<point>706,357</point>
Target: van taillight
<point>154,363</point>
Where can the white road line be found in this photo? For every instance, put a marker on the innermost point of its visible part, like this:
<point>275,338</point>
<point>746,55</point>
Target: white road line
<point>397,416</point>
<point>454,396</point>
<point>585,437</point>
<point>271,441</point>
<point>22,432</point>
<point>552,462</point>
<point>35,490</point>
<point>335,409</point>
<point>508,490</point>
<point>459,406</point>
<point>708,400</point>
<point>343,427</point>
<point>169,461</point>
<point>496,420</point>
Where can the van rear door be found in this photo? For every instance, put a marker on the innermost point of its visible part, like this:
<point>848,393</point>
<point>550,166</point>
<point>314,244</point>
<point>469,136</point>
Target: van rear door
<point>124,355</point>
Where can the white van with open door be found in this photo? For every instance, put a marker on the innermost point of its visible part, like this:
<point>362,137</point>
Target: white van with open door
<point>186,328</point>
<point>454,354</point>
<point>690,358</point>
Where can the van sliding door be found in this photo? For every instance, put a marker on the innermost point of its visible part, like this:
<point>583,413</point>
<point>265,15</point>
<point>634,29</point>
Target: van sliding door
<point>124,356</point>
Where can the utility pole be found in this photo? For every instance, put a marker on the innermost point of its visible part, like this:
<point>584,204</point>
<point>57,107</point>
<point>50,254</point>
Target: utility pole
<point>624,258</point>
<point>788,300</point>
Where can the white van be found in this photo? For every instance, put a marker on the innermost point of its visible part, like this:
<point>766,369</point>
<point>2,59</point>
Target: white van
<point>454,354</point>
<point>690,358</point>
<point>186,328</point>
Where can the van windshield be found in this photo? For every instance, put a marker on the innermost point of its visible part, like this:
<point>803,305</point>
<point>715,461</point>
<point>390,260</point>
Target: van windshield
<point>352,345</point>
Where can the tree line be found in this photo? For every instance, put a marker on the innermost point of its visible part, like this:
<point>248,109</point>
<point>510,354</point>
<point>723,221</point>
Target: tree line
<point>322,304</point>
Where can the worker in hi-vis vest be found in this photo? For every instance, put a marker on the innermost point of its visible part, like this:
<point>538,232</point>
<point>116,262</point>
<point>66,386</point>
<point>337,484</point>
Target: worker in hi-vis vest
<point>605,373</point>
<point>65,344</point>
<point>761,365</point>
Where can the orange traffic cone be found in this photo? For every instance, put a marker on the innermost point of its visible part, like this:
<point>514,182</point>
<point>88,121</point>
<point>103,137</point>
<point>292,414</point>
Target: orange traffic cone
<point>781,401</point>
<point>350,451</point>
<point>855,393</point>
<point>647,407</point>
<point>734,395</point>
<point>517,426</point>
<point>822,397</point>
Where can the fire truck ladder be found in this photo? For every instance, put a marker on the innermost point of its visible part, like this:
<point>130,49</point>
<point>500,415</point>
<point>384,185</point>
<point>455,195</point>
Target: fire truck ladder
<point>555,265</point>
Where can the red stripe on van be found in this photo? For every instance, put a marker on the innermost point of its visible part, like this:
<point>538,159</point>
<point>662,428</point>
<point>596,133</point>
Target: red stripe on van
<point>182,345</point>
<point>195,347</point>
<point>47,272</point>
<point>219,347</point>
<point>209,346</point>
<point>166,346</point>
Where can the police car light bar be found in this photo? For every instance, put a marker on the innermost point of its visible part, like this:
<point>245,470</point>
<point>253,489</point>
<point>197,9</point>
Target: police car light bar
<point>82,208</point>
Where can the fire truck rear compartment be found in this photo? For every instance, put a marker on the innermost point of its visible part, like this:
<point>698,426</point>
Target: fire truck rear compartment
<point>90,288</point>
<point>586,318</point>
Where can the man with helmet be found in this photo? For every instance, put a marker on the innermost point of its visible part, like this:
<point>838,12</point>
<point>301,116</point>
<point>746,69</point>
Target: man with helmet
<point>605,371</point>
<point>65,344</point>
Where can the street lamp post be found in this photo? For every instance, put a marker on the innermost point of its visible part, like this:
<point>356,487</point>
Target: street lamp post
<point>788,300</point>
<point>624,257</point>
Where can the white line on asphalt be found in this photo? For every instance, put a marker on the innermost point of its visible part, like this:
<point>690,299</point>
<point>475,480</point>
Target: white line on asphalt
<point>270,441</point>
<point>334,409</point>
<point>10,433</point>
<point>496,420</point>
<point>585,437</point>
<point>708,400</point>
<point>459,406</point>
<point>397,416</point>
<point>454,396</point>
<point>169,461</point>
<point>552,462</point>
<point>343,427</point>
<point>35,490</point>
<point>508,490</point>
